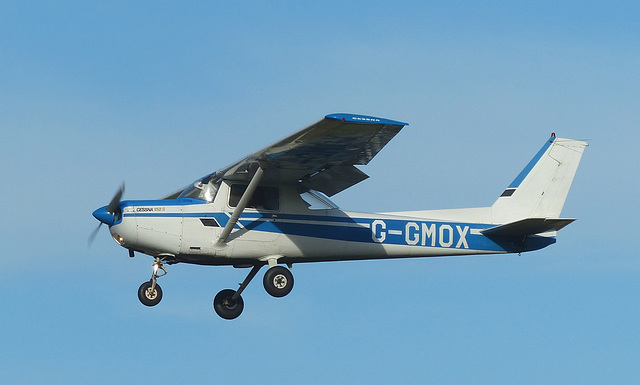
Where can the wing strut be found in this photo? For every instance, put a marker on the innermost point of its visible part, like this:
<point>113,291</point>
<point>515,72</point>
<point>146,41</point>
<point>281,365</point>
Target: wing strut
<point>248,193</point>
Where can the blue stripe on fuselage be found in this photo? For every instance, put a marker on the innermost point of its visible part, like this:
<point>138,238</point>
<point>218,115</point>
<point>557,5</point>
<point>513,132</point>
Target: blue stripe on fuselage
<point>419,233</point>
<point>163,202</point>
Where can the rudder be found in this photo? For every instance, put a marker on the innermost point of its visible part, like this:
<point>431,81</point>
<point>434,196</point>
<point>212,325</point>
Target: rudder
<point>540,190</point>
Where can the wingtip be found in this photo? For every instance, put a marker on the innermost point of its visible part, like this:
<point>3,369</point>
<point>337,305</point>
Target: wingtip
<point>354,118</point>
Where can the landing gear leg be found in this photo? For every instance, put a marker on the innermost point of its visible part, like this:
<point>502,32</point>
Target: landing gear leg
<point>150,292</point>
<point>228,303</point>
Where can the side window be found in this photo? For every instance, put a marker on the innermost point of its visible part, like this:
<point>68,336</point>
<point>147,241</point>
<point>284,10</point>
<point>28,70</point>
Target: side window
<point>264,198</point>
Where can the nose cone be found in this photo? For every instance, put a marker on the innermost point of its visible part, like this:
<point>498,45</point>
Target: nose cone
<point>103,216</point>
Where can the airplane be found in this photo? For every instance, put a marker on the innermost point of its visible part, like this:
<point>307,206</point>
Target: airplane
<point>272,208</point>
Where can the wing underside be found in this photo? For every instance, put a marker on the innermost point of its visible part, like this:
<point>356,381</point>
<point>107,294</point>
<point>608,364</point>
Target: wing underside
<point>322,156</point>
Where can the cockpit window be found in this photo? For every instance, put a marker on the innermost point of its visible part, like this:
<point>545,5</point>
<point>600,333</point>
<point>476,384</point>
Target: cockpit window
<point>317,200</point>
<point>264,198</point>
<point>204,189</point>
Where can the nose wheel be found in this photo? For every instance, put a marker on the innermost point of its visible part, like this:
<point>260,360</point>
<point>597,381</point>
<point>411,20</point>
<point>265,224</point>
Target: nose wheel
<point>150,292</point>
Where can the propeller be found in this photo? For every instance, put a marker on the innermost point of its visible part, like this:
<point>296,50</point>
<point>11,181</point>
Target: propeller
<point>108,214</point>
<point>115,201</point>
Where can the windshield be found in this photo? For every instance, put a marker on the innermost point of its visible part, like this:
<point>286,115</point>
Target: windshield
<point>204,189</point>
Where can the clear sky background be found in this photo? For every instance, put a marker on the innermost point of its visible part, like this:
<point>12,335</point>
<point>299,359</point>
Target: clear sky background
<point>157,94</point>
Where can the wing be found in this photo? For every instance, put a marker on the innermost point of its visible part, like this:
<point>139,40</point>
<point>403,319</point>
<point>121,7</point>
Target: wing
<point>322,156</point>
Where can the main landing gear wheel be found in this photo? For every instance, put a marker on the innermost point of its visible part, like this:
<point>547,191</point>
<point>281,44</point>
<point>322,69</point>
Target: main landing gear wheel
<point>227,307</point>
<point>278,281</point>
<point>149,295</point>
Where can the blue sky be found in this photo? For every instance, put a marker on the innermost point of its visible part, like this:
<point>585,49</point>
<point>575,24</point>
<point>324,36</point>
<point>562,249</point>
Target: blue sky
<point>159,93</point>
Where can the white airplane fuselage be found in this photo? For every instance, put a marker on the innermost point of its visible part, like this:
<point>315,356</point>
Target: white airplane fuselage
<point>187,230</point>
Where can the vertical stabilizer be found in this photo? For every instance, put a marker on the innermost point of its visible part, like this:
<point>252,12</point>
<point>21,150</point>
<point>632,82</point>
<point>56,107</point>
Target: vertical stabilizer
<point>540,190</point>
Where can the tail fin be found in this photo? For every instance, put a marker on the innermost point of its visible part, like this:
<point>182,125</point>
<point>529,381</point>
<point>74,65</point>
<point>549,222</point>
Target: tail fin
<point>540,190</point>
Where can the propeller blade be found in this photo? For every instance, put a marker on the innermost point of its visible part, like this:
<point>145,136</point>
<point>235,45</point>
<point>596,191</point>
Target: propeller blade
<point>115,201</point>
<point>94,233</point>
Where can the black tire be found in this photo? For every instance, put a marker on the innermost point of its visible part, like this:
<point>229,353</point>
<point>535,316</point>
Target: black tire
<point>225,306</point>
<point>147,297</point>
<point>278,281</point>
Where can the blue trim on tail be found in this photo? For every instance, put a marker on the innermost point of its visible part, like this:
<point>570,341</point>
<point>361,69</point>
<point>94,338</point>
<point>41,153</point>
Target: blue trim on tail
<point>523,174</point>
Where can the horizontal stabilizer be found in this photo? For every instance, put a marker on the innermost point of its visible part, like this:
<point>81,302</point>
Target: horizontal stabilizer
<point>529,226</point>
